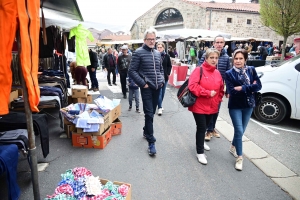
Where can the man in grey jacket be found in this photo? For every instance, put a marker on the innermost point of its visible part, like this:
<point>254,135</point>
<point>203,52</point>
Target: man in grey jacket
<point>147,72</point>
<point>223,66</point>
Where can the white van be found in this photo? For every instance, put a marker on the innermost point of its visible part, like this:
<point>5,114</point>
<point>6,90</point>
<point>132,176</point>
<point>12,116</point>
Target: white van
<point>280,91</point>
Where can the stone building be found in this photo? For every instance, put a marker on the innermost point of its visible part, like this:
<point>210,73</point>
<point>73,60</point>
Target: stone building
<point>237,19</point>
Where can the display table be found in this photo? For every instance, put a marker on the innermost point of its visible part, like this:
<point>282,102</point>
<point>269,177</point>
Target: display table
<point>178,75</point>
<point>256,63</point>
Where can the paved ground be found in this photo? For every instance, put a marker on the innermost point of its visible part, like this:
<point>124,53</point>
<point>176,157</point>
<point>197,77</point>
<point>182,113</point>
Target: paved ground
<point>175,172</point>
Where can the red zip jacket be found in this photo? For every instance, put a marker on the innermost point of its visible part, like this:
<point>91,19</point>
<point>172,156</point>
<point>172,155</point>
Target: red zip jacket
<point>211,80</point>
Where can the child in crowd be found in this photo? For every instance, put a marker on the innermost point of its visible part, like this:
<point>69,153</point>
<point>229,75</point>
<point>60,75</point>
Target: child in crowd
<point>133,90</point>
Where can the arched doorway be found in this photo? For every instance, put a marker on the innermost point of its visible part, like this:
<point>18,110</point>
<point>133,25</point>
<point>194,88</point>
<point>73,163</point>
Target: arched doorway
<point>170,18</point>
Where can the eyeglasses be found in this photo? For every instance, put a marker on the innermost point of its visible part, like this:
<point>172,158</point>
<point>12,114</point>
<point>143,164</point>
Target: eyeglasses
<point>219,42</point>
<point>150,39</point>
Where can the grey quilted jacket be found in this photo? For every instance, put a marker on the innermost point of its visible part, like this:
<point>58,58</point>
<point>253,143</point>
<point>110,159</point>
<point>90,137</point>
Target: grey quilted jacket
<point>146,68</point>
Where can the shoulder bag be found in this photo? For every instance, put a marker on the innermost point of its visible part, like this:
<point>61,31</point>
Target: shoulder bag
<point>185,97</point>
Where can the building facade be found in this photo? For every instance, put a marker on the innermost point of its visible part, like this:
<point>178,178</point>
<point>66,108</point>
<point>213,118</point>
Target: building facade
<point>237,19</point>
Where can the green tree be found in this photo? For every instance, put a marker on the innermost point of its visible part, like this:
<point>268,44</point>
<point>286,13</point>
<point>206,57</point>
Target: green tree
<point>282,16</point>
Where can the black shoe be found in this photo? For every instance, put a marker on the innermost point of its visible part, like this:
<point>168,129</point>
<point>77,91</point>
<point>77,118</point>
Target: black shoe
<point>125,96</point>
<point>110,84</point>
<point>138,110</point>
<point>96,89</point>
<point>129,109</point>
<point>114,83</point>
<point>90,89</point>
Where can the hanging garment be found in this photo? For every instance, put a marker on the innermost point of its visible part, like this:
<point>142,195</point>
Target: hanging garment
<point>82,54</point>
<point>22,15</point>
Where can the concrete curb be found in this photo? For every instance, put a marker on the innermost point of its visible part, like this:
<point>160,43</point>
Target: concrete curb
<point>279,173</point>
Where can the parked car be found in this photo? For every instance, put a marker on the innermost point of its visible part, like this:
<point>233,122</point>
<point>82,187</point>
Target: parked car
<point>280,91</point>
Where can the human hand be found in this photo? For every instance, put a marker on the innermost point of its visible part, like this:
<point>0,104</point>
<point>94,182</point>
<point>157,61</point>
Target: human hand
<point>254,82</point>
<point>227,95</point>
<point>146,86</point>
<point>213,93</point>
<point>92,69</point>
<point>238,88</point>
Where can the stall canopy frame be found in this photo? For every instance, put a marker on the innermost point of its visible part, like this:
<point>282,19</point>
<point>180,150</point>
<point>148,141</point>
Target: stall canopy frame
<point>69,9</point>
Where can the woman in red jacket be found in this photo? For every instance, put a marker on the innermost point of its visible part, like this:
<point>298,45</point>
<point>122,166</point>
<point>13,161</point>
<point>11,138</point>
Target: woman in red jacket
<point>209,91</point>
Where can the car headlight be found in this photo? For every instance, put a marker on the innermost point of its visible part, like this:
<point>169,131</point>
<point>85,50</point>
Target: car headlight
<point>260,74</point>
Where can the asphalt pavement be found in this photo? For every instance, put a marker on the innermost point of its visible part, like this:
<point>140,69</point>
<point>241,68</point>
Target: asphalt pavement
<point>174,173</point>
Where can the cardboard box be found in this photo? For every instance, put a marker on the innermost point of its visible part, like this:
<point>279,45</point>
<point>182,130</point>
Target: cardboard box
<point>128,197</point>
<point>13,95</point>
<point>70,100</point>
<point>103,127</point>
<point>88,99</point>
<point>69,129</point>
<point>116,127</point>
<point>66,122</point>
<point>79,91</point>
<point>87,140</point>
<point>114,113</point>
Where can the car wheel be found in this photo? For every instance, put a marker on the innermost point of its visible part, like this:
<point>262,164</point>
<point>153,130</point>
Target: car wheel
<point>272,110</point>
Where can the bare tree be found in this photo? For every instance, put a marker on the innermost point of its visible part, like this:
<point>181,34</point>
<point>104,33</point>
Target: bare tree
<point>282,16</point>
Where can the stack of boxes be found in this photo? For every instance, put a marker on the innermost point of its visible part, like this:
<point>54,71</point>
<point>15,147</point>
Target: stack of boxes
<point>99,140</point>
<point>80,95</point>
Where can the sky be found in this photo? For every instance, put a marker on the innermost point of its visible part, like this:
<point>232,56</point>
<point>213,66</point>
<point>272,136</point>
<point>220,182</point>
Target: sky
<point>118,15</point>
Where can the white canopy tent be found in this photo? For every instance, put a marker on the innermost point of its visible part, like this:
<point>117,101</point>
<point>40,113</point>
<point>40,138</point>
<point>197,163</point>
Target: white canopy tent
<point>190,33</point>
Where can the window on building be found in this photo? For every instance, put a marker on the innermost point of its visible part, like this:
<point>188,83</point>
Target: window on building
<point>249,21</point>
<point>168,16</point>
<point>229,20</point>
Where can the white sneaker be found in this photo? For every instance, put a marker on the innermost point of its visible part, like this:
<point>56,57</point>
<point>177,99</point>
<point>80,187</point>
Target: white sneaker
<point>232,150</point>
<point>162,108</point>
<point>238,164</point>
<point>202,158</point>
<point>206,147</point>
<point>159,111</point>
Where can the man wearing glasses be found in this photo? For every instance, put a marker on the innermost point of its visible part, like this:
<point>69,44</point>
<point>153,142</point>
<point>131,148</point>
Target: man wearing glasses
<point>147,72</point>
<point>223,65</point>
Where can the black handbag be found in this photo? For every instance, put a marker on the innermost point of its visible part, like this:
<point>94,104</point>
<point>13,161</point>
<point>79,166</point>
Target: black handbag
<point>184,95</point>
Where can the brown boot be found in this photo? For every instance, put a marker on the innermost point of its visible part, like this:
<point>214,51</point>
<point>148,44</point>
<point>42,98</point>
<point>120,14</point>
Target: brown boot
<point>216,134</point>
<point>208,135</point>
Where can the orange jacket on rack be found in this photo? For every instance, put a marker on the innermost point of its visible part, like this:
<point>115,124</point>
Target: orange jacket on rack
<point>22,15</point>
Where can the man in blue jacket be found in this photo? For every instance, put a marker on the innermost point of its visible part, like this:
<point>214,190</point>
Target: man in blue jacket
<point>147,72</point>
<point>223,66</point>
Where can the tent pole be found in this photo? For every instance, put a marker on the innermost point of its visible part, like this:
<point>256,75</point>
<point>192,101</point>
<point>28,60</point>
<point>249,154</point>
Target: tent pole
<point>31,137</point>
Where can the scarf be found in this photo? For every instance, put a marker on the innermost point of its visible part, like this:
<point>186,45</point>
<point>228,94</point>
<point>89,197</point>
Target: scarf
<point>242,75</point>
<point>245,80</point>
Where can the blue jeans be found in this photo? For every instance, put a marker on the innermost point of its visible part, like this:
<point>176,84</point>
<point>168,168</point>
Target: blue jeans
<point>150,99</point>
<point>212,124</point>
<point>162,94</point>
<point>136,93</point>
<point>240,119</point>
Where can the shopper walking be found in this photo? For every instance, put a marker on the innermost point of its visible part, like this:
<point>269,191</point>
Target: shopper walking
<point>123,65</point>
<point>241,82</point>
<point>147,72</point>
<point>110,64</point>
<point>223,66</point>
<point>133,90</point>
<point>209,92</point>
<point>167,66</point>
<point>92,70</point>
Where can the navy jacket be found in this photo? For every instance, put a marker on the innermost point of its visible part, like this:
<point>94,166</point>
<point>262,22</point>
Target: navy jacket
<point>239,99</point>
<point>131,84</point>
<point>223,64</point>
<point>146,68</point>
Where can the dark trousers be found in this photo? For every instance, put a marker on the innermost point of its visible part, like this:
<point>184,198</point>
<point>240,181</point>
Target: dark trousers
<point>212,124</point>
<point>150,99</point>
<point>123,76</point>
<point>113,71</point>
<point>202,121</point>
<point>93,78</point>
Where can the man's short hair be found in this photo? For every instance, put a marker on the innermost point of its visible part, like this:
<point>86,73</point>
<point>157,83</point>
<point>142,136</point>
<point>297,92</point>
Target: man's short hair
<point>150,31</point>
<point>217,37</point>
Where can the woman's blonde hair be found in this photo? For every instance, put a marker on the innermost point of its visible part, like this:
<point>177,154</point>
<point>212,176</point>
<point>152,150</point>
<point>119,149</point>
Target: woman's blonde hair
<point>210,51</point>
<point>161,43</point>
